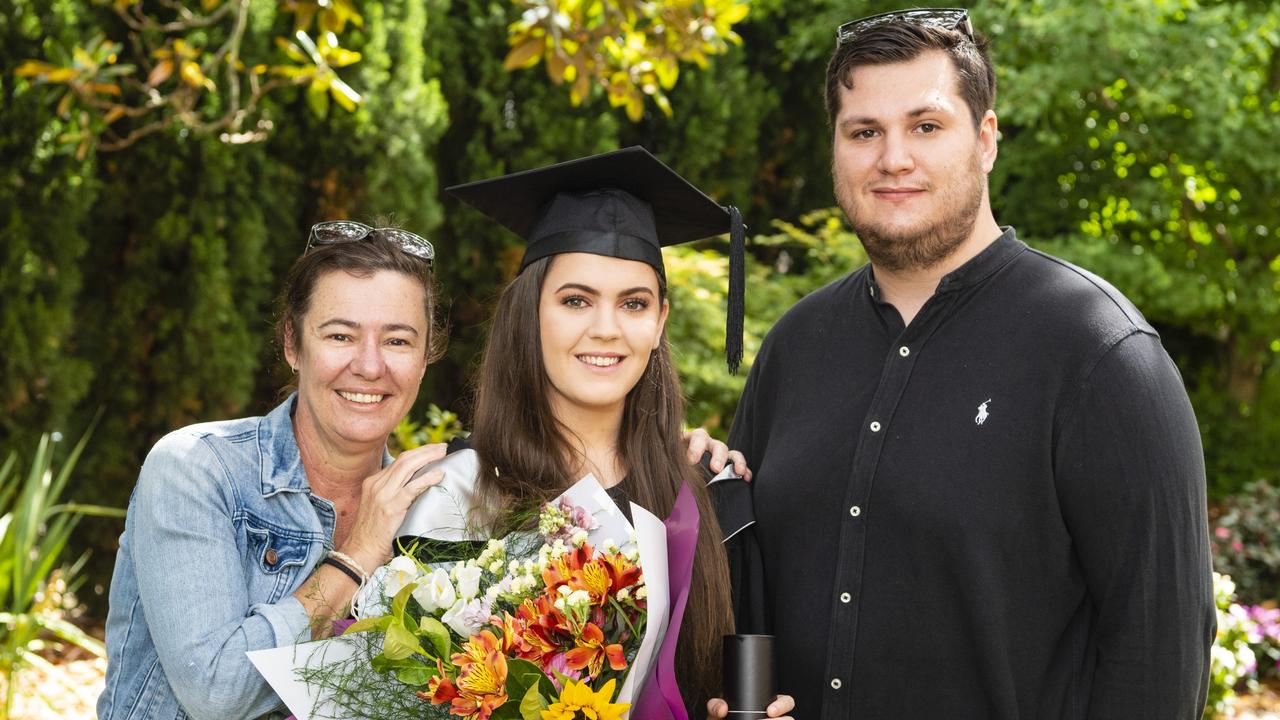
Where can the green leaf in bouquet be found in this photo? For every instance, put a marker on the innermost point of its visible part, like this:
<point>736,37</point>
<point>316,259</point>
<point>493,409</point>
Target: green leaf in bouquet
<point>510,710</point>
<point>399,602</point>
<point>400,643</point>
<point>416,674</point>
<point>532,704</point>
<point>437,634</point>
<point>375,623</point>
<point>409,623</point>
<point>523,678</point>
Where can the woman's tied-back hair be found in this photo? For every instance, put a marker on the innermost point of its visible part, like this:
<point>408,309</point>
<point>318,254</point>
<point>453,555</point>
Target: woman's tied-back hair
<point>360,258</point>
<point>525,459</point>
<point>904,41</point>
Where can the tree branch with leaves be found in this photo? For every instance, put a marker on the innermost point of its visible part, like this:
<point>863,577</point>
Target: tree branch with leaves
<point>180,64</point>
<point>630,48</point>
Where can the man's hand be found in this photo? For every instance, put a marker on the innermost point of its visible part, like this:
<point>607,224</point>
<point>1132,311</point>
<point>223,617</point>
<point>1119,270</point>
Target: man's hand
<point>699,441</point>
<point>717,708</point>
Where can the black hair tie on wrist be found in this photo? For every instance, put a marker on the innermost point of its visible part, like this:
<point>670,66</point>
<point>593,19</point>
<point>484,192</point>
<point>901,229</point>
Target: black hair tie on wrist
<point>331,562</point>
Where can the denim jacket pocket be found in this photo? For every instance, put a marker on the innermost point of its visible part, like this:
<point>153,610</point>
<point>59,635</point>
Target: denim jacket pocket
<point>276,555</point>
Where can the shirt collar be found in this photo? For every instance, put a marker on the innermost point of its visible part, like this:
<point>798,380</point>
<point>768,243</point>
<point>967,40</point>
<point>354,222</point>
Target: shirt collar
<point>282,469</point>
<point>984,264</point>
<point>978,268</point>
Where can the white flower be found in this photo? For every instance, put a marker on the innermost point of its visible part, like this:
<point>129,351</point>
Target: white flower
<point>401,571</point>
<point>609,546</point>
<point>435,592</point>
<point>642,592</point>
<point>467,617</point>
<point>624,594</point>
<point>576,604</point>
<point>579,537</point>
<point>468,578</point>
<point>494,553</point>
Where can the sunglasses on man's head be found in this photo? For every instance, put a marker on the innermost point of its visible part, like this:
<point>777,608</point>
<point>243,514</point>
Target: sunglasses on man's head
<point>941,18</point>
<point>344,231</point>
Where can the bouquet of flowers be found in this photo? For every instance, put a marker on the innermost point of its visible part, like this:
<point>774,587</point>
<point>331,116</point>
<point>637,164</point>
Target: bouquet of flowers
<point>561,622</point>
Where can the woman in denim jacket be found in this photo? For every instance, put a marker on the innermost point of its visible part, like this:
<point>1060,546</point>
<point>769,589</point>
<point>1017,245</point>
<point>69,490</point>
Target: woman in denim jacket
<point>254,533</point>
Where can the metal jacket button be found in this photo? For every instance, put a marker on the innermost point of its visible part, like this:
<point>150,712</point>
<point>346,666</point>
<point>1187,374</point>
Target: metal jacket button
<point>272,557</point>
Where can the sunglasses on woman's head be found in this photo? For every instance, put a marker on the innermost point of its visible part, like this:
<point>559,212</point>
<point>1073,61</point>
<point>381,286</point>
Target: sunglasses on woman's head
<point>941,18</point>
<point>344,231</point>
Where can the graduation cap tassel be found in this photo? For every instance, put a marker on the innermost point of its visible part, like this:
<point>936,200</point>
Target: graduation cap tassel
<point>736,310</point>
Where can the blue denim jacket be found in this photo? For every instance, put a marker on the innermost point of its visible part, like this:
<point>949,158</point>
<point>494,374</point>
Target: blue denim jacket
<point>222,528</point>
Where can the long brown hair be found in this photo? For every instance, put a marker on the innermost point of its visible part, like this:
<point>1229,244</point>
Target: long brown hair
<point>524,460</point>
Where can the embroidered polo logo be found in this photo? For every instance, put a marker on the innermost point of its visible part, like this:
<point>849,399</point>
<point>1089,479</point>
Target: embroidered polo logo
<point>982,413</point>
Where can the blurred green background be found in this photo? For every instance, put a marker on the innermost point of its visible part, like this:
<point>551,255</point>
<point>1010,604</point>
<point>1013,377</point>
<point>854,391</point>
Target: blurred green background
<point>1138,140</point>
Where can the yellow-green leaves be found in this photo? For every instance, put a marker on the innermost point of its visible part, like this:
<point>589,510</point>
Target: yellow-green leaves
<point>630,48</point>
<point>188,73</point>
<point>184,58</point>
<point>314,66</point>
<point>330,15</point>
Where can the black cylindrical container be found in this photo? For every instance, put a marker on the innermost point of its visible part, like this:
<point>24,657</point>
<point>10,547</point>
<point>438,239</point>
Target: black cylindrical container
<point>749,684</point>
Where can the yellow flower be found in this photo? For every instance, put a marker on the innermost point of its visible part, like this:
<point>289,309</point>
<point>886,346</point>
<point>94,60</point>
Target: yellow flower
<point>578,701</point>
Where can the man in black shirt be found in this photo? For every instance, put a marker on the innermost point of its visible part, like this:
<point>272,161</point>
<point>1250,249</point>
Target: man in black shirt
<point>979,486</point>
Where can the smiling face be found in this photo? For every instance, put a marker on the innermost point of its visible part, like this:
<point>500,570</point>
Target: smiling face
<point>360,356</point>
<point>909,167</point>
<point>600,318</point>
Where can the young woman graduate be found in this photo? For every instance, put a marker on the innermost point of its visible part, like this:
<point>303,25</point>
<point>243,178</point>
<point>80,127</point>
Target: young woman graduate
<point>577,376</point>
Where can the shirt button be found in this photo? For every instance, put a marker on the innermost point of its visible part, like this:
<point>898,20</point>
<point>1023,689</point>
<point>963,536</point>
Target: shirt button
<point>835,683</point>
<point>271,557</point>
<point>855,511</point>
<point>904,351</point>
<point>845,598</point>
<point>875,426</point>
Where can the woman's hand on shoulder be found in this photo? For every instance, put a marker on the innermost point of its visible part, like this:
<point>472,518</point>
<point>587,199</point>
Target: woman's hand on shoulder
<point>384,501</point>
<point>781,705</point>
<point>699,441</point>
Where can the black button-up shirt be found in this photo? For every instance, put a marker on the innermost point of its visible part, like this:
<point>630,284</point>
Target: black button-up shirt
<point>997,511</point>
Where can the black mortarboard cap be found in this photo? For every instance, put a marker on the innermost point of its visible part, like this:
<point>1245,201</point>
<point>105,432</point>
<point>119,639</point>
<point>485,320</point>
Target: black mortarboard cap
<point>624,204</point>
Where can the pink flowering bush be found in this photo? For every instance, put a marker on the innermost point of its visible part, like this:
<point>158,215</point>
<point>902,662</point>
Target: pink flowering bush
<point>1246,648</point>
<point>1246,542</point>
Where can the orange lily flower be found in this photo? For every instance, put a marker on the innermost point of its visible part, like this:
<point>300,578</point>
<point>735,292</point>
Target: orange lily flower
<point>481,686</point>
<point>592,652</point>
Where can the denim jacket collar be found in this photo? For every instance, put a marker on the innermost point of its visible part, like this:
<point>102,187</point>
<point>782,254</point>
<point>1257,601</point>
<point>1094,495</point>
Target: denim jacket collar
<point>278,449</point>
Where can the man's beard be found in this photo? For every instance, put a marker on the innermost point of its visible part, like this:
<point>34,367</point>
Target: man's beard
<point>920,248</point>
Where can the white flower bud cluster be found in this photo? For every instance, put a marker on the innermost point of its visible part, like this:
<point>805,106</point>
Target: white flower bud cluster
<point>493,557</point>
<point>575,604</point>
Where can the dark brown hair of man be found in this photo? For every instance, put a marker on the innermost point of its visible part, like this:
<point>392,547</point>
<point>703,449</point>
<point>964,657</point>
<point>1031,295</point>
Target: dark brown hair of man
<point>360,258</point>
<point>899,42</point>
<point>526,459</point>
